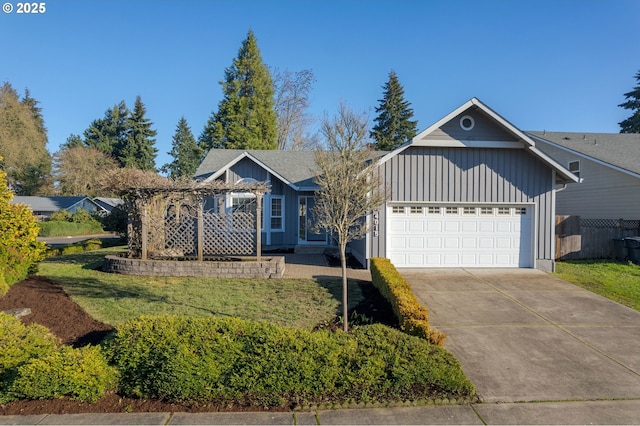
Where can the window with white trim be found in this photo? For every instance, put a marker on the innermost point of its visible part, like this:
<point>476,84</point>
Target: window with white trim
<point>469,210</point>
<point>277,213</point>
<point>434,210</point>
<point>521,210</point>
<point>574,167</point>
<point>504,210</point>
<point>486,210</point>
<point>451,210</point>
<point>397,209</point>
<point>416,210</point>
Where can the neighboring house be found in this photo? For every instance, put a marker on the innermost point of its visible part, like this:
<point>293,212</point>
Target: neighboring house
<point>43,207</point>
<point>107,204</point>
<point>608,165</point>
<point>472,190</point>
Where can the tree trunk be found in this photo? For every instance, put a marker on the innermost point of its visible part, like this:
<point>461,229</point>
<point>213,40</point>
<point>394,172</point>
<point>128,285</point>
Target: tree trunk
<point>345,310</point>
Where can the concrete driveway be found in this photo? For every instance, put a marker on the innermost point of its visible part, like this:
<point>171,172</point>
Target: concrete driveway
<point>523,335</point>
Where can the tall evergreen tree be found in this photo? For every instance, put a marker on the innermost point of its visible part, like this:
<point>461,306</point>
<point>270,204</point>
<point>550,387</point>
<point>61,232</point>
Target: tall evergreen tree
<point>185,152</point>
<point>138,150</point>
<point>632,124</point>
<point>246,118</point>
<point>394,126</point>
<point>109,134</point>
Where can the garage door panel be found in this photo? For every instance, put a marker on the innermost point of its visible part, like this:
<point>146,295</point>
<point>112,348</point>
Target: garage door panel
<point>450,237</point>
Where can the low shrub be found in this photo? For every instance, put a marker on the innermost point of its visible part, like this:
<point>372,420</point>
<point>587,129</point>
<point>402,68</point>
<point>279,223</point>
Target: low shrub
<point>18,345</point>
<point>229,360</point>
<point>79,374</point>
<point>79,247</point>
<point>412,316</point>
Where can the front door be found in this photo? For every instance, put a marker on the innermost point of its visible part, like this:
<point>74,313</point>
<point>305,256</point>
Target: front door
<point>306,234</point>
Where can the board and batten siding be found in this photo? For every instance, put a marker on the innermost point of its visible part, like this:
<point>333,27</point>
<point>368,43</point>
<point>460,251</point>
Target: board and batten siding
<point>471,175</point>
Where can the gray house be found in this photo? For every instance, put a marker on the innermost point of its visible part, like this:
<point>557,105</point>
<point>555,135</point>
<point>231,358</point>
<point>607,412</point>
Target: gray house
<point>43,207</point>
<point>608,165</point>
<point>471,190</point>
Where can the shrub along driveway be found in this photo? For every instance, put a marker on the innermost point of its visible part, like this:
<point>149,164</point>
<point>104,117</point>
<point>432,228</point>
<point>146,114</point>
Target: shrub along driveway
<point>524,335</point>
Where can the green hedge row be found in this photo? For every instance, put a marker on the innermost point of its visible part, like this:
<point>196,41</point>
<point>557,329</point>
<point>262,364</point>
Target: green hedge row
<point>229,360</point>
<point>79,247</point>
<point>64,229</point>
<point>412,316</point>
<point>34,366</point>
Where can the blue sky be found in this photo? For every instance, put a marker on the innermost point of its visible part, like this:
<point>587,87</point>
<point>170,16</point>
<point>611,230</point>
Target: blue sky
<point>558,65</point>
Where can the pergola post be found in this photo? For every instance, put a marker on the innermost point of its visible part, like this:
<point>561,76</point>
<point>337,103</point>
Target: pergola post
<point>200,231</point>
<point>144,230</point>
<point>258,225</point>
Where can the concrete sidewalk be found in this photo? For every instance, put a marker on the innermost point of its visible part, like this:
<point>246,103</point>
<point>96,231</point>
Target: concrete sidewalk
<point>543,413</point>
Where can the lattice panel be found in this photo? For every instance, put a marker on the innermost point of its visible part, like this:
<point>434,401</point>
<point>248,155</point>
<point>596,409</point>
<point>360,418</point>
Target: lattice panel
<point>610,223</point>
<point>181,234</point>
<point>229,233</point>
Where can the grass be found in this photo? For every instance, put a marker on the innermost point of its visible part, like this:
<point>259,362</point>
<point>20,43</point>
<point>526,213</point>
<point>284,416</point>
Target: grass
<point>618,281</point>
<point>113,298</point>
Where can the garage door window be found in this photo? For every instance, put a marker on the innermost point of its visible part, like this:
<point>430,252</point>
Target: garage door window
<point>397,210</point>
<point>469,210</point>
<point>504,210</point>
<point>434,210</point>
<point>452,210</point>
<point>486,210</point>
<point>416,210</point>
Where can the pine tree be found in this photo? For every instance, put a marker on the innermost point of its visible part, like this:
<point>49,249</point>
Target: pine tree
<point>246,118</point>
<point>185,152</point>
<point>109,134</point>
<point>138,150</point>
<point>632,124</point>
<point>394,126</point>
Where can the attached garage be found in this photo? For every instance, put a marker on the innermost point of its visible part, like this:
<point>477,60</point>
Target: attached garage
<point>471,190</point>
<point>460,235</point>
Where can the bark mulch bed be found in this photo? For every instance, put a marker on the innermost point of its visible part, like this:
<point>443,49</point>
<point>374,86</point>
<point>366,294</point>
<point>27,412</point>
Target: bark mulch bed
<point>50,306</point>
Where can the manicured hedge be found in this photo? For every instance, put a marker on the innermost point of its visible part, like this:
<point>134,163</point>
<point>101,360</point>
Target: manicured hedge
<point>229,360</point>
<point>65,229</point>
<point>79,247</point>
<point>412,316</point>
<point>33,366</point>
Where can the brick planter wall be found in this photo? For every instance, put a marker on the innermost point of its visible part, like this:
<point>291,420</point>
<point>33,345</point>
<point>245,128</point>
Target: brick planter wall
<point>267,267</point>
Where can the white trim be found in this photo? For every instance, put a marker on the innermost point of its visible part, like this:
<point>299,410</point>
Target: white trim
<point>282,212</point>
<point>454,143</point>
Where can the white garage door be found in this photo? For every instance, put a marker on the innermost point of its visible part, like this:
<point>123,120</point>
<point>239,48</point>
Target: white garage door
<point>460,236</point>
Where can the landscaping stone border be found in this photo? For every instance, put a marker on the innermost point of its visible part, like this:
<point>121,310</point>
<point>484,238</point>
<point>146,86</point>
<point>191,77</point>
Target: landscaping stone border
<point>244,267</point>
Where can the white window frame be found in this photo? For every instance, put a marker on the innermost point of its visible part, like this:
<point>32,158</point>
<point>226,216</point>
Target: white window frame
<point>281,216</point>
<point>575,172</point>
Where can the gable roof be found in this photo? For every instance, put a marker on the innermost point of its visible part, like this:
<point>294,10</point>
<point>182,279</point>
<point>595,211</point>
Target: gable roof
<point>48,204</point>
<point>295,168</point>
<point>510,137</point>
<point>621,150</point>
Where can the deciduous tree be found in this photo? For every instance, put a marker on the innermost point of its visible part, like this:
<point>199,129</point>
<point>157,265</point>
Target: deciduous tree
<point>23,142</point>
<point>349,186</point>
<point>394,126</point>
<point>292,104</point>
<point>632,124</point>
<point>246,118</point>
<point>77,170</point>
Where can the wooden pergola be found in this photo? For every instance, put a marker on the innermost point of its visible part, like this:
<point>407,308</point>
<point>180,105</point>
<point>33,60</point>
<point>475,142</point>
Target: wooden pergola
<point>167,218</point>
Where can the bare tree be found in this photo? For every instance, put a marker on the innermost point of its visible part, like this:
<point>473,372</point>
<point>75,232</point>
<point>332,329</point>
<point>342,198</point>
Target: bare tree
<point>291,104</point>
<point>77,170</point>
<point>350,187</point>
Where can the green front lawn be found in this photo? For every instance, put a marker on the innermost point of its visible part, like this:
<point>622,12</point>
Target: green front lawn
<point>618,281</point>
<point>113,299</point>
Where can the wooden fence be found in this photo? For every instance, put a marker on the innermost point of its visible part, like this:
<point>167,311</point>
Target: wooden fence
<point>578,238</point>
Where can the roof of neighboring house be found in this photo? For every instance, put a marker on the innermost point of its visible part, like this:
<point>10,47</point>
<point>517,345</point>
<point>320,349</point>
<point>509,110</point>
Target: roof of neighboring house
<point>48,204</point>
<point>617,149</point>
<point>108,203</point>
<point>295,168</point>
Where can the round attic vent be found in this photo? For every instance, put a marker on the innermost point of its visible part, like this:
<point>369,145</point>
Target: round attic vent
<point>467,122</point>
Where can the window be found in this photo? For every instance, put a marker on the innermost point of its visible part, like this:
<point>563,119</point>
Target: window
<point>469,210</point>
<point>397,210</point>
<point>434,210</point>
<point>246,204</point>
<point>451,210</point>
<point>574,167</point>
<point>486,210</point>
<point>416,210</point>
<point>276,214</point>
<point>504,210</point>
<point>521,210</point>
